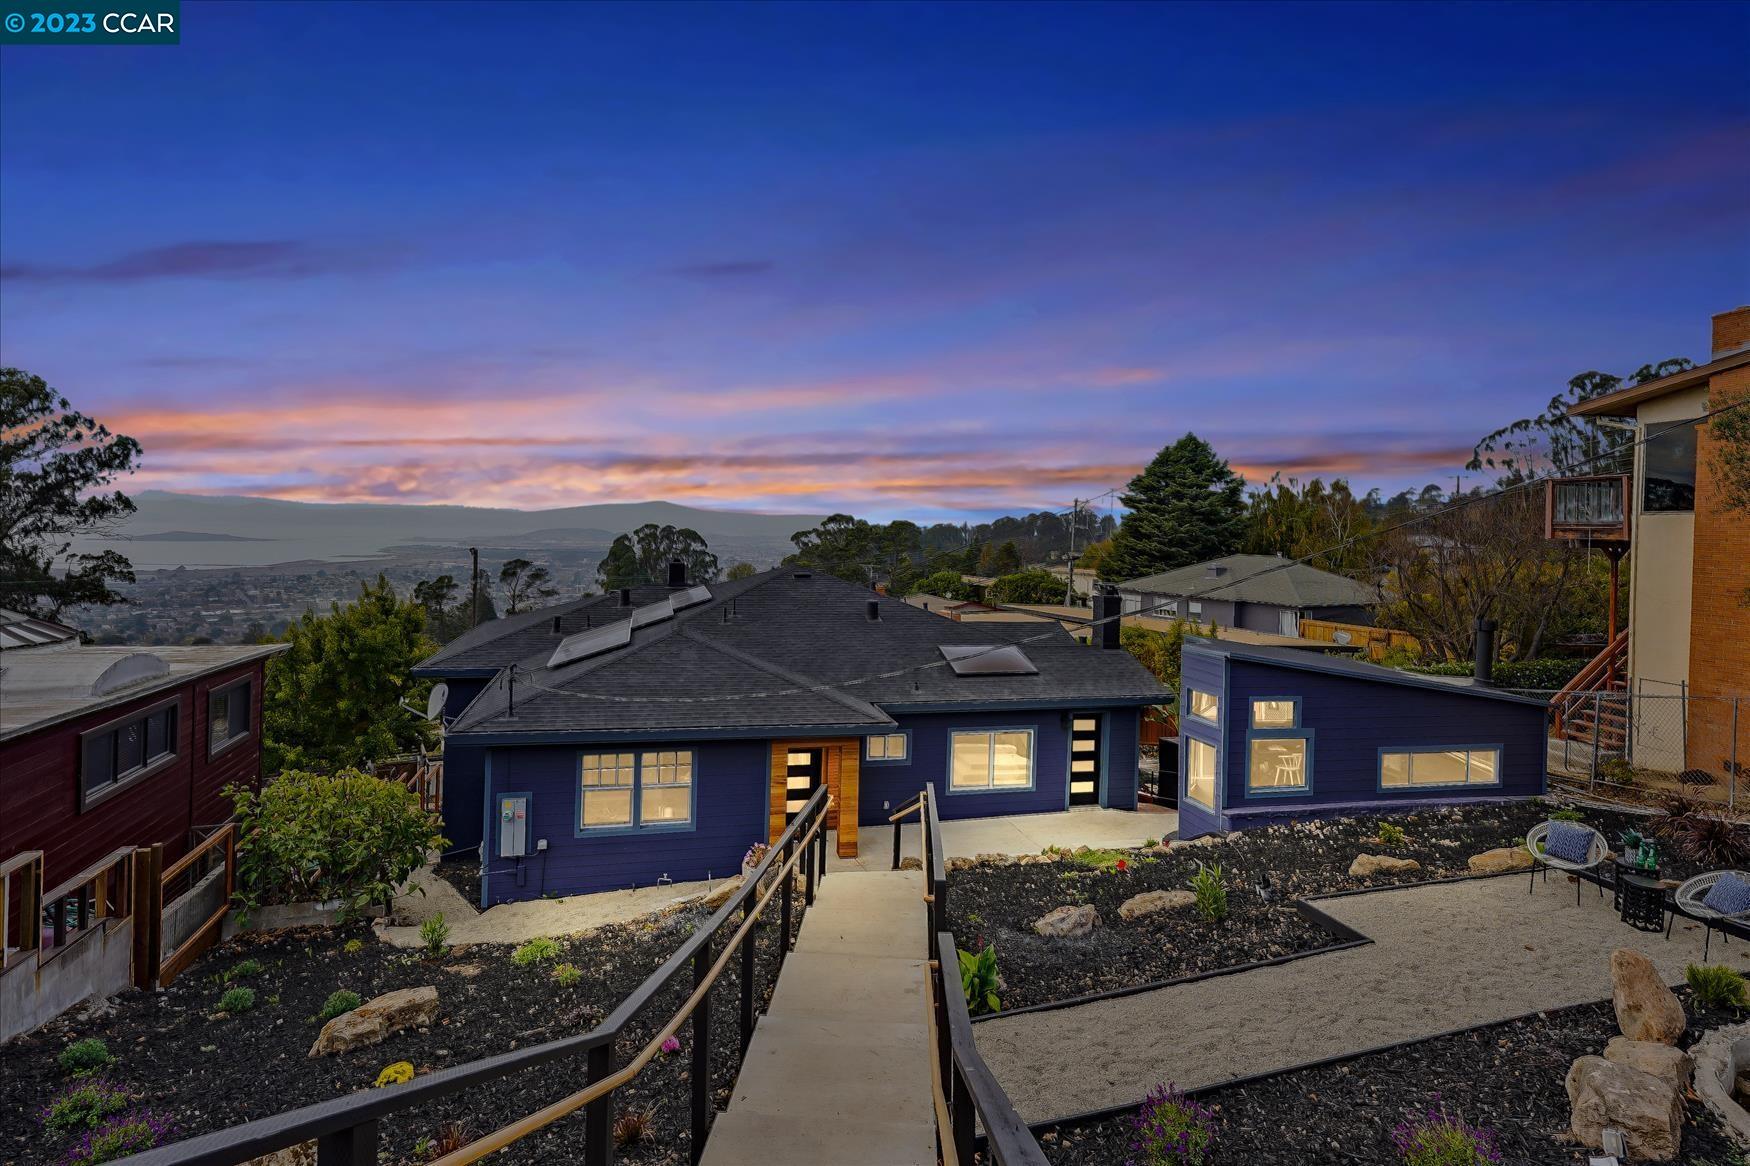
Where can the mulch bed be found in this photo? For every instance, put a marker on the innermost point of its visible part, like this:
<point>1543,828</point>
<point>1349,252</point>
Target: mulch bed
<point>1507,1077</point>
<point>1264,870</point>
<point>207,1073</point>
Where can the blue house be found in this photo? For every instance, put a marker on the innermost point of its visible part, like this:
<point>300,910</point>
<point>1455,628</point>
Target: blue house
<point>658,732</point>
<point>1273,733</point>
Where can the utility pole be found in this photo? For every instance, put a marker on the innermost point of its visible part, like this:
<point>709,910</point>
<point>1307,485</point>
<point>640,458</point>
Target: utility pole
<point>1075,512</point>
<point>474,578</point>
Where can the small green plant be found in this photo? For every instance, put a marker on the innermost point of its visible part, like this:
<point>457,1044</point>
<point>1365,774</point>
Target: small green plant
<point>434,935</point>
<point>1150,843</point>
<point>237,1001</point>
<point>243,970</point>
<point>83,1106</point>
<point>978,979</point>
<point>1617,770</point>
<point>535,951</point>
<point>84,1056</point>
<point>1716,986</point>
<point>1211,891</point>
<point>1098,859</point>
<point>353,946</point>
<point>120,1136</point>
<point>338,1004</point>
<point>1172,1130</point>
<point>567,975</point>
<point>1567,814</point>
<point>1437,1138</point>
<point>1391,834</point>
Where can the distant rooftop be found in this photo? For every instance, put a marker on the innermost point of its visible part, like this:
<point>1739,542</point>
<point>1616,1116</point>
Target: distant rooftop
<point>18,630</point>
<point>1267,579</point>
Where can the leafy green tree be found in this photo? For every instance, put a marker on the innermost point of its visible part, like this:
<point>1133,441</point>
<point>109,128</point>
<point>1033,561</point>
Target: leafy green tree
<point>524,583</point>
<point>947,584</point>
<point>1295,521</point>
<point>335,698</point>
<point>1185,507</point>
<point>841,545</point>
<point>1557,442</point>
<point>740,571</point>
<point>999,560</point>
<point>54,464</point>
<point>642,557</point>
<point>620,567</point>
<point>1160,651</point>
<point>1033,586</point>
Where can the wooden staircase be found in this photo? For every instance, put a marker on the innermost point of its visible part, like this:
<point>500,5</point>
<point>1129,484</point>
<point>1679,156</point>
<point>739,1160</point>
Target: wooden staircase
<point>1593,706</point>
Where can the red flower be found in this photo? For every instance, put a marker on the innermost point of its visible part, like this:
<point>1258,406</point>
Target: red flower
<point>1123,865</point>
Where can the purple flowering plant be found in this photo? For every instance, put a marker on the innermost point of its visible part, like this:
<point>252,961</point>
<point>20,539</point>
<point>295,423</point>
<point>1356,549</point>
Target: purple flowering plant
<point>130,1133</point>
<point>1171,1130</point>
<point>83,1104</point>
<point>1439,1138</point>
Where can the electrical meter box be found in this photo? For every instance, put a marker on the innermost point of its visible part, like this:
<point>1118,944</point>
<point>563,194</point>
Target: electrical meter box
<point>513,826</point>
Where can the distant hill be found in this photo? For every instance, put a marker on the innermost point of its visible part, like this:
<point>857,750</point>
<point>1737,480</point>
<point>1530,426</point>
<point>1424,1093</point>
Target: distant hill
<point>198,530</point>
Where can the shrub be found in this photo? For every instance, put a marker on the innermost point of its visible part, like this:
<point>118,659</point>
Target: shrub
<point>349,836</point>
<point>1618,770</point>
<point>237,1001</point>
<point>434,935</point>
<point>128,1133</point>
<point>84,1105</point>
<point>1150,843</point>
<point>1567,814</point>
<point>1716,986</point>
<point>755,855</point>
<point>632,1127</point>
<point>534,951</point>
<point>1211,891</point>
<point>1436,1138</point>
<point>243,970</point>
<point>353,946</point>
<point>1546,674</point>
<point>1713,841</point>
<point>1392,835</point>
<point>1172,1130</point>
<point>395,1073</point>
<point>567,975</point>
<point>978,979</point>
<point>84,1056</point>
<point>338,1004</point>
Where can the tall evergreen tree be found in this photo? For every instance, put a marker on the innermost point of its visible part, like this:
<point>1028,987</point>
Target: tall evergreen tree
<point>1185,507</point>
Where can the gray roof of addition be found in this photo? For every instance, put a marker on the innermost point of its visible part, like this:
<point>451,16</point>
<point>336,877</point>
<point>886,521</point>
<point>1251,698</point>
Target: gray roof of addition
<point>1303,661</point>
<point>1267,579</point>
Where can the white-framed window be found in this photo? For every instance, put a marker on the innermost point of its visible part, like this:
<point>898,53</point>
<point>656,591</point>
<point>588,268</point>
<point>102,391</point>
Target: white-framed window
<point>1274,714</point>
<point>1424,768</point>
<point>665,787</point>
<point>1196,607</point>
<point>990,760</point>
<point>886,747</point>
<point>1200,773</point>
<point>227,716</point>
<point>1132,603</point>
<point>1276,765</point>
<point>1205,706</point>
<point>606,800</point>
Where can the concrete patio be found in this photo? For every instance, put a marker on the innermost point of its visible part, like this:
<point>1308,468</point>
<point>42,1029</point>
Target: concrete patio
<point>1014,834</point>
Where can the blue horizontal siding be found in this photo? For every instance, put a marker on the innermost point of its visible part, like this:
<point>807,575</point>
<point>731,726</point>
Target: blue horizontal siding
<point>731,784</point>
<point>464,774</point>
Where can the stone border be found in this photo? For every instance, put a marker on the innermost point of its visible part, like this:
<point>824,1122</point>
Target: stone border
<point>1719,1057</point>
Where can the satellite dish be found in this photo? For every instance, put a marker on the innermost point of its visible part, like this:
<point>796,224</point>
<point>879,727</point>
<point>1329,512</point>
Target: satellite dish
<point>434,704</point>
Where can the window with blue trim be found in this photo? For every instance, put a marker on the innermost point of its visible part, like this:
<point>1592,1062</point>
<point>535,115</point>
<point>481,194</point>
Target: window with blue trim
<point>1200,771</point>
<point>1205,706</point>
<point>886,747</point>
<point>1424,768</point>
<point>994,760</point>
<point>621,791</point>
<point>1278,749</point>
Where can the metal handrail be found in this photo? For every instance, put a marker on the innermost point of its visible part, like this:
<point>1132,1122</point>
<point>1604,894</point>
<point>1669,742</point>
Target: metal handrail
<point>346,1128</point>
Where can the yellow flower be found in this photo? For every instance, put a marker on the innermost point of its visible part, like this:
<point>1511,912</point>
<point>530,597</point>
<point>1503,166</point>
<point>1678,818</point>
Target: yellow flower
<point>400,1073</point>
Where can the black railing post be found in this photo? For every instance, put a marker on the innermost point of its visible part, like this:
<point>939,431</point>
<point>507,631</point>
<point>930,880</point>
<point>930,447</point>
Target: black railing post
<point>701,1053</point>
<point>961,1115</point>
<point>747,972</point>
<point>353,1146</point>
<point>598,1115</point>
<point>784,903</point>
<point>808,876</point>
<point>897,827</point>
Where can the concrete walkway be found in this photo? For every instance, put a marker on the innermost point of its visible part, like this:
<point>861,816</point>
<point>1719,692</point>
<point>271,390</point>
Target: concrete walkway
<point>1016,834</point>
<point>1444,956</point>
<point>839,1069</point>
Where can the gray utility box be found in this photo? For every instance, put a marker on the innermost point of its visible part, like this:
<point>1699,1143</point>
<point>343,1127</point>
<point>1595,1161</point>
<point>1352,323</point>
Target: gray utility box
<point>513,826</point>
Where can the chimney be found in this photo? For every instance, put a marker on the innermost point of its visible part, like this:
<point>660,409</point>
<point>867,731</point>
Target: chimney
<point>1107,607</point>
<point>872,609</point>
<point>625,597</point>
<point>1485,661</point>
<point>1731,330</point>
<point>677,573</point>
<point>1215,571</point>
<point>555,625</point>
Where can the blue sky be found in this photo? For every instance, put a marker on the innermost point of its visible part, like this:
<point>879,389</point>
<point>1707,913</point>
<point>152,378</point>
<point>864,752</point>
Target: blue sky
<point>906,259</point>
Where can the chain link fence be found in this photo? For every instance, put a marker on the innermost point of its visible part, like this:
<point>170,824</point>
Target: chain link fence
<point>1644,743</point>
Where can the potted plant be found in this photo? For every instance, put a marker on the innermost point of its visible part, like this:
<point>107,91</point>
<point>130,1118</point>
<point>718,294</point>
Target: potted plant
<point>755,855</point>
<point>1631,845</point>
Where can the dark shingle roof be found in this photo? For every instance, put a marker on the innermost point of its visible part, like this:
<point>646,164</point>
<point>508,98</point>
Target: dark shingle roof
<point>487,647</point>
<point>1305,661</point>
<point>784,651</point>
<point>1258,579</point>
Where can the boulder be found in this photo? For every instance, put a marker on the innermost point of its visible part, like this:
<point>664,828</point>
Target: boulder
<point>1646,1010</point>
<point>720,894</point>
<point>1672,1066</point>
<point>1604,1094</point>
<point>1154,902</point>
<point>1367,865</point>
<point>1067,922</point>
<point>1502,858</point>
<point>376,1019</point>
<point>1033,859</point>
<point>961,862</point>
<point>912,863</point>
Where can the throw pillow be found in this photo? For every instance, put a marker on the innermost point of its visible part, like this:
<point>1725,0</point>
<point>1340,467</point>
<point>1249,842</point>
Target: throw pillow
<point>1568,842</point>
<point>1729,896</point>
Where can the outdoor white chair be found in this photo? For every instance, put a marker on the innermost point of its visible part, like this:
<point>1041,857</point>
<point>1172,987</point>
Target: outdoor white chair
<point>1687,900</point>
<point>1597,853</point>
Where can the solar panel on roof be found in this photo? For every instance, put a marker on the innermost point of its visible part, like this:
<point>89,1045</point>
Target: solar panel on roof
<point>654,613</point>
<point>592,642</point>
<point>988,660</point>
<point>690,597</point>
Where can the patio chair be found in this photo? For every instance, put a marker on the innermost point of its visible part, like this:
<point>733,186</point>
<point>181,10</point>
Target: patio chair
<point>1691,899</point>
<point>1597,852</point>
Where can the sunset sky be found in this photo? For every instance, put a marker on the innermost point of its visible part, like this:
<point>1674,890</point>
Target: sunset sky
<point>908,259</point>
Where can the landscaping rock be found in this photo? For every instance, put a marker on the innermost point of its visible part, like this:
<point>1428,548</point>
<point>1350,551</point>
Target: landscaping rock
<point>961,862</point>
<point>466,971</point>
<point>1033,859</point>
<point>1502,858</point>
<point>1152,902</point>
<point>1604,1094</point>
<point>1646,1010</point>
<point>1721,1079</point>
<point>1367,865</point>
<point>1672,1066</point>
<point>1067,922</point>
<point>720,894</point>
<point>990,859</point>
<point>376,1019</point>
<point>911,864</point>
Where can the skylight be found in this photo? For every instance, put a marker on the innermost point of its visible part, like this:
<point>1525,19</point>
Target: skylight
<point>592,642</point>
<point>987,660</point>
<point>690,597</point>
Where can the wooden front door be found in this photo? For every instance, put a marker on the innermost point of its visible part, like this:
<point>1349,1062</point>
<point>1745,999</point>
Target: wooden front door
<point>1084,759</point>
<point>801,767</point>
<point>804,771</point>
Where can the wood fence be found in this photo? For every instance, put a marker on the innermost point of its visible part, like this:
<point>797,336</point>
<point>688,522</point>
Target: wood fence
<point>1378,641</point>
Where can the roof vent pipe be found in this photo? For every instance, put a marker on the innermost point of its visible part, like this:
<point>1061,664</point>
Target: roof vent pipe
<point>555,625</point>
<point>677,573</point>
<point>1107,618</point>
<point>625,597</point>
<point>873,609</point>
<point>1485,658</point>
